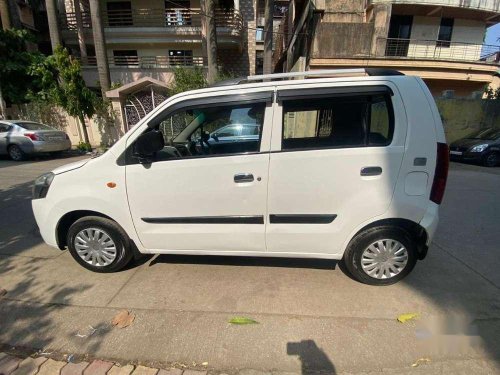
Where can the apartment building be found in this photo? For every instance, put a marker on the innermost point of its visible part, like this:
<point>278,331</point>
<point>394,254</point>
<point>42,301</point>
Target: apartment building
<point>441,41</point>
<point>147,38</point>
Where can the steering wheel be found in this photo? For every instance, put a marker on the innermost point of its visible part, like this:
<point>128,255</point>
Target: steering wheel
<point>204,144</point>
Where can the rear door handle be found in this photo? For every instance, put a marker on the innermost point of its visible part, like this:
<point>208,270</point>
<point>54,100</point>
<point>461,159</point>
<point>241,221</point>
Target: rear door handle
<point>243,177</point>
<point>371,171</point>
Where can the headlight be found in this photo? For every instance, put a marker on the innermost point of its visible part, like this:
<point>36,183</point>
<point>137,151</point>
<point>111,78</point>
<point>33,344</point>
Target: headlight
<point>42,185</point>
<point>479,148</point>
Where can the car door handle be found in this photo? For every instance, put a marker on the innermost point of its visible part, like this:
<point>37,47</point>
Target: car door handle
<point>371,171</point>
<point>243,177</point>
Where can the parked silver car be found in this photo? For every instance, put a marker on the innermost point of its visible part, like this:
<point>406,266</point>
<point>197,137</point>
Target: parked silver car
<point>20,138</point>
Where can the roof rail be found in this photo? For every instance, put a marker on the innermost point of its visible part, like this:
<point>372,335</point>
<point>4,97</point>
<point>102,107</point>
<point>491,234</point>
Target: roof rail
<point>310,73</point>
<point>326,73</point>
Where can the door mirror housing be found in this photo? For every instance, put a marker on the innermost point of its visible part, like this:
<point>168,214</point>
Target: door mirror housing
<point>215,137</point>
<point>147,144</point>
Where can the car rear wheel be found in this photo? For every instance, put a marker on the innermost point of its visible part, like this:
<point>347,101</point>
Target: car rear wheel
<point>381,255</point>
<point>490,159</point>
<point>15,153</point>
<point>99,244</point>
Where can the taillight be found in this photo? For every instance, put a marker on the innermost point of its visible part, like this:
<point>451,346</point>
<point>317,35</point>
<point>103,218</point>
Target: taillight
<point>441,174</point>
<point>31,136</point>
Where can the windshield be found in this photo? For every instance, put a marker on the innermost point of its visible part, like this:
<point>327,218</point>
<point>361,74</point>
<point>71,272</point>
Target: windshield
<point>485,134</point>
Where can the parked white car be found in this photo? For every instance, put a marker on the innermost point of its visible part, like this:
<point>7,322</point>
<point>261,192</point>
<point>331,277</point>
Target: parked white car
<point>350,167</point>
<point>20,139</point>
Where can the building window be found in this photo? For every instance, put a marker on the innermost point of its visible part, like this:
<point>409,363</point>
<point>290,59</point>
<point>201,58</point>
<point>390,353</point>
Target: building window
<point>180,57</point>
<point>178,13</point>
<point>445,31</point>
<point>259,34</point>
<point>125,57</point>
<point>119,13</point>
<point>280,8</point>
<point>259,62</point>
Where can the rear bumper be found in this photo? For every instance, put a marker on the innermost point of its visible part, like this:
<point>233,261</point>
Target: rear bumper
<point>430,221</point>
<point>42,146</point>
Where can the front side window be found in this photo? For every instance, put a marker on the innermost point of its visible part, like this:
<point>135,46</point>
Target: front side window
<point>337,122</point>
<point>211,131</point>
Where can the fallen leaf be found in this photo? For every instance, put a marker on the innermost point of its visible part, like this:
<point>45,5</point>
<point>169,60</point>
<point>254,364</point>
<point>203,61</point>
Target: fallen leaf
<point>204,364</point>
<point>403,318</point>
<point>242,320</point>
<point>123,319</point>
<point>420,361</point>
<point>3,292</point>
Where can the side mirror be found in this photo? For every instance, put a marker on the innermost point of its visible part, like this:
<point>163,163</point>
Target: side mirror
<point>147,144</point>
<point>215,138</point>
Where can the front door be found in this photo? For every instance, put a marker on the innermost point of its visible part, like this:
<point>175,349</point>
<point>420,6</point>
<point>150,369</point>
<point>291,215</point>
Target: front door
<point>334,164</point>
<point>201,195</point>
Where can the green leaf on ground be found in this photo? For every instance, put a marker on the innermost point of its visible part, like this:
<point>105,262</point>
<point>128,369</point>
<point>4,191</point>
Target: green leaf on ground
<point>403,318</point>
<point>242,320</point>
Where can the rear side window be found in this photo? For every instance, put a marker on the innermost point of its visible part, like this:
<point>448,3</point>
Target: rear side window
<point>355,121</point>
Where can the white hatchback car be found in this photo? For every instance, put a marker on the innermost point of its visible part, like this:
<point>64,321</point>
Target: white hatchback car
<point>350,165</point>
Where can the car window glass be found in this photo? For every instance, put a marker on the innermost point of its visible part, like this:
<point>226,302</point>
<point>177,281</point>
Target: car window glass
<point>200,132</point>
<point>336,122</point>
<point>4,128</point>
<point>28,125</point>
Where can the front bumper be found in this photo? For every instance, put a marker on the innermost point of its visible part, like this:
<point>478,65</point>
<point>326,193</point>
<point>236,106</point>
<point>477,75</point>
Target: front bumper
<point>467,156</point>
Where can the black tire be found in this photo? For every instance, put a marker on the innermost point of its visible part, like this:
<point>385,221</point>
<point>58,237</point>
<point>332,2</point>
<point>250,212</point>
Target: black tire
<point>490,159</point>
<point>114,231</point>
<point>355,249</point>
<point>16,153</point>
<point>56,154</point>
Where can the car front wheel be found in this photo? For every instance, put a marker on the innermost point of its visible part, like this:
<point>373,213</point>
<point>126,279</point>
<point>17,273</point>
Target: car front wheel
<point>380,255</point>
<point>99,244</point>
<point>490,159</point>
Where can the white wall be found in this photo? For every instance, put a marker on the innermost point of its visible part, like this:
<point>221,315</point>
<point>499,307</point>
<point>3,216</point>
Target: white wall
<point>466,40</point>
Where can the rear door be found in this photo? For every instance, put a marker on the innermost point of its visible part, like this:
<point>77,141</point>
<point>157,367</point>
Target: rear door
<point>336,155</point>
<point>4,131</point>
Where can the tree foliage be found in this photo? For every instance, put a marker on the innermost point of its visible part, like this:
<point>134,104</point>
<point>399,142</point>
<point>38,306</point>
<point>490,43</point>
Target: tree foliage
<point>61,82</point>
<point>15,64</point>
<point>186,79</point>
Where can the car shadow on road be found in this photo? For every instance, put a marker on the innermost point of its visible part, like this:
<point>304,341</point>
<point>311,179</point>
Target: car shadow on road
<point>323,264</point>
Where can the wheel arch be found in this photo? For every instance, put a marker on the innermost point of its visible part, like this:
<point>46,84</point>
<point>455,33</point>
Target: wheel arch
<point>415,230</point>
<point>68,219</point>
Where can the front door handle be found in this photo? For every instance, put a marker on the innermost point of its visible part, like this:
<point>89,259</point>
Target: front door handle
<point>371,171</point>
<point>243,177</point>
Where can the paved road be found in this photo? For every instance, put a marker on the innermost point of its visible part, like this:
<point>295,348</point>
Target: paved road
<point>311,315</point>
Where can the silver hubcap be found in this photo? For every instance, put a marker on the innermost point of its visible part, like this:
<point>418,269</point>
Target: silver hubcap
<point>384,259</point>
<point>15,153</point>
<point>95,247</point>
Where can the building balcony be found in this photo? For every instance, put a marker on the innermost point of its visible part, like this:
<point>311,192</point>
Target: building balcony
<point>126,69</point>
<point>417,49</point>
<point>146,62</point>
<point>157,25</point>
<point>481,5</point>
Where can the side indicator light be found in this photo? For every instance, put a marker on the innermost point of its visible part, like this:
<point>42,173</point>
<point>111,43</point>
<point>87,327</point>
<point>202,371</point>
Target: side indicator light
<point>111,185</point>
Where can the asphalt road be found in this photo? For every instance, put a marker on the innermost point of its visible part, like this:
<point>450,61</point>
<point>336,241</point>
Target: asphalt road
<point>311,315</point>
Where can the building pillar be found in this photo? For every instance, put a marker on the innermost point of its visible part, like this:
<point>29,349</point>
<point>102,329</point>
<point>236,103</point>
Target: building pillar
<point>100,46</point>
<point>55,34</point>
<point>268,37</point>
<point>4,14</point>
<point>381,23</point>
<point>80,31</point>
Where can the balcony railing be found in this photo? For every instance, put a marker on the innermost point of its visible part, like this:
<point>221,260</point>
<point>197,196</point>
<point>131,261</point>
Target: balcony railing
<point>156,18</point>
<point>437,50</point>
<point>147,62</point>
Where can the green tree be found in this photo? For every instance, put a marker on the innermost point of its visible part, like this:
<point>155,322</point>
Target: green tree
<point>61,82</point>
<point>15,64</point>
<point>186,79</point>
